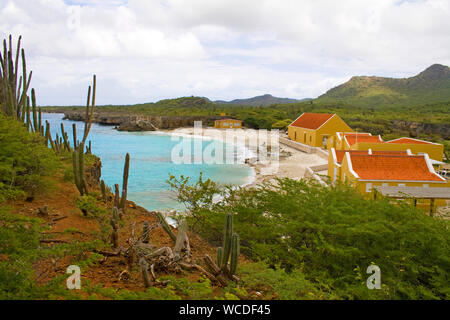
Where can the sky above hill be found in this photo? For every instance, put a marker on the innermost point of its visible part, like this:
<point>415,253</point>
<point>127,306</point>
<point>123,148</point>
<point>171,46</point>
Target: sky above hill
<point>147,50</point>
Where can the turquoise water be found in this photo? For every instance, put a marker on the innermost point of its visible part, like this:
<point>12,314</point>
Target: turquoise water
<point>150,164</point>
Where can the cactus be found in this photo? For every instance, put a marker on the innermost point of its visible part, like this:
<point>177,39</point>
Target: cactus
<point>117,196</point>
<point>47,133</point>
<point>126,172</point>
<point>235,250</point>
<point>13,92</point>
<point>66,138</point>
<point>228,255</point>
<point>34,110</point>
<point>40,121</point>
<point>228,232</point>
<point>74,130</point>
<point>78,170</point>
<point>219,256</point>
<point>90,107</point>
<point>103,188</point>
<point>115,226</point>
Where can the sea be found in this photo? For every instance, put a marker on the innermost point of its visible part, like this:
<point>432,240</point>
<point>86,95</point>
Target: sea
<point>151,162</point>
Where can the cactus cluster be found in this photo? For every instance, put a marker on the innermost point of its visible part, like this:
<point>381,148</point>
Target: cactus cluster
<point>78,170</point>
<point>228,254</point>
<point>13,90</point>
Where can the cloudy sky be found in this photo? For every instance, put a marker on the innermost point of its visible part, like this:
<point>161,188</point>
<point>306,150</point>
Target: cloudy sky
<point>147,50</point>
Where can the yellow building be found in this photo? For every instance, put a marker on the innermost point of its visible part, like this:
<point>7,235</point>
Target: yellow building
<point>336,157</point>
<point>351,140</point>
<point>228,124</point>
<point>314,129</point>
<point>408,172</point>
<point>365,142</point>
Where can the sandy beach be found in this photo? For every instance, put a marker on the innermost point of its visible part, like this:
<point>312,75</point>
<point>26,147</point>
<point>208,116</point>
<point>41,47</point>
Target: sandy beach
<point>286,162</point>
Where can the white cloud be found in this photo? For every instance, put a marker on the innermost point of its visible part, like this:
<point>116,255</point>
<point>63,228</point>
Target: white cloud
<point>148,50</point>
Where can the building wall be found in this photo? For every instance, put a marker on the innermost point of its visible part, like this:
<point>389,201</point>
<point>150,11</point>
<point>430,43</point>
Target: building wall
<point>334,169</point>
<point>314,138</point>
<point>228,124</point>
<point>366,187</point>
<point>435,151</point>
<point>302,135</point>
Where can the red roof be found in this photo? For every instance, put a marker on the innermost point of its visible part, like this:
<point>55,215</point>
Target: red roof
<point>340,154</point>
<point>409,140</point>
<point>312,120</point>
<point>353,139</point>
<point>392,167</point>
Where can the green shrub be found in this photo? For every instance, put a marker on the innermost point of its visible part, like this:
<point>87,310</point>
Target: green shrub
<point>333,234</point>
<point>90,208</point>
<point>24,160</point>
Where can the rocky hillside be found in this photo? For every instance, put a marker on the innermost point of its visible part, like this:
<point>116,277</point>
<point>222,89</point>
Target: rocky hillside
<point>429,86</point>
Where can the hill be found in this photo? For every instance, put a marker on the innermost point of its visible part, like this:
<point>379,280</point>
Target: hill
<point>430,86</point>
<point>264,100</point>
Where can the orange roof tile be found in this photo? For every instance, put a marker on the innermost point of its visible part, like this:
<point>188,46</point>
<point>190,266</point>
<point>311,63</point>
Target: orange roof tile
<point>340,154</point>
<point>409,140</point>
<point>353,139</point>
<point>392,167</point>
<point>312,120</point>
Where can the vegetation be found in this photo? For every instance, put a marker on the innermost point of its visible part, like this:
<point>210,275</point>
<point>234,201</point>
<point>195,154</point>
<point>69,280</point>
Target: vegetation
<point>325,238</point>
<point>430,86</point>
<point>25,162</point>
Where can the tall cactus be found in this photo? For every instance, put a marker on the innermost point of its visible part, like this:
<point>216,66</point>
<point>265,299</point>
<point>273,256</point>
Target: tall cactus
<point>78,170</point>
<point>13,92</point>
<point>228,255</point>
<point>126,171</point>
<point>103,188</point>
<point>74,133</point>
<point>115,226</point>
<point>66,138</point>
<point>227,235</point>
<point>90,108</point>
<point>235,250</point>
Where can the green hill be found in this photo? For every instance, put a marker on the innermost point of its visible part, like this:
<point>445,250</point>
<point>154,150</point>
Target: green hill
<point>264,100</point>
<point>429,86</point>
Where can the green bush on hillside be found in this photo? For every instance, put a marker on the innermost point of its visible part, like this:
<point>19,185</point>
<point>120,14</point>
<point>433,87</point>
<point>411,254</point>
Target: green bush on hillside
<point>333,235</point>
<point>24,160</point>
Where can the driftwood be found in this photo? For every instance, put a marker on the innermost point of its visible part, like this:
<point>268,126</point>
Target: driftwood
<point>215,270</point>
<point>145,274</point>
<point>166,226</point>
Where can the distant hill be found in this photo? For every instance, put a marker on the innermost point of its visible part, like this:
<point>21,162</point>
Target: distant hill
<point>264,100</point>
<point>429,86</point>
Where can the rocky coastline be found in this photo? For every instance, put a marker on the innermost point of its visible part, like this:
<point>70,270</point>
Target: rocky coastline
<point>137,123</point>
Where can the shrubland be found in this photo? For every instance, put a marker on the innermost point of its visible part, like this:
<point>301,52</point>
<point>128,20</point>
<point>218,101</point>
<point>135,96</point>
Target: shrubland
<point>315,241</point>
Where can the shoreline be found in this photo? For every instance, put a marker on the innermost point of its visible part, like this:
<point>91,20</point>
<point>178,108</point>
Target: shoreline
<point>291,163</point>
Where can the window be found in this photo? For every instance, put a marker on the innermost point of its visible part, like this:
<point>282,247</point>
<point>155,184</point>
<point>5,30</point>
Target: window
<point>368,187</point>
<point>237,124</point>
<point>225,124</point>
<point>335,175</point>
